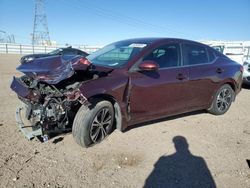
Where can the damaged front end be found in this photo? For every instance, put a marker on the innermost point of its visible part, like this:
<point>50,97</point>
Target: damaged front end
<point>50,94</point>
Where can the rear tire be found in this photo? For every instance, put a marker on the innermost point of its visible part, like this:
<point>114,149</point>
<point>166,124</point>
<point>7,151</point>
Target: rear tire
<point>222,100</point>
<point>93,124</point>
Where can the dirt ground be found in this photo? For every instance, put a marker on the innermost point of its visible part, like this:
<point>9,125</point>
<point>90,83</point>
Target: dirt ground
<point>194,150</point>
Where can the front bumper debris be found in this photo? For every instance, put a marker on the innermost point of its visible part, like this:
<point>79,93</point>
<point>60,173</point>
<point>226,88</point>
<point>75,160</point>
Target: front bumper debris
<point>26,130</point>
<point>22,90</point>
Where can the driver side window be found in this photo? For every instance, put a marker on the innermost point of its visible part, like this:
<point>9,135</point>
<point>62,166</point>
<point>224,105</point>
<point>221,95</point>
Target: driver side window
<point>166,56</point>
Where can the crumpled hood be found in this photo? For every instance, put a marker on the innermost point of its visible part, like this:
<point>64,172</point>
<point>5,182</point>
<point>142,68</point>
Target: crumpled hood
<point>36,55</point>
<point>54,69</point>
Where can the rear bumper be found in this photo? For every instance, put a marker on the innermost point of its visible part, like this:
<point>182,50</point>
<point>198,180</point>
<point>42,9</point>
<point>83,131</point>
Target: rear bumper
<point>26,130</point>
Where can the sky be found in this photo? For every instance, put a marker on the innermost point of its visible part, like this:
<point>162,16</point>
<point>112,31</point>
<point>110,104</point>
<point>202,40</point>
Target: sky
<point>99,22</point>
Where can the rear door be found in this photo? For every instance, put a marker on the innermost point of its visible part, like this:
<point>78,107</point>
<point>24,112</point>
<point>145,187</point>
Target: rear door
<point>203,74</point>
<point>159,93</point>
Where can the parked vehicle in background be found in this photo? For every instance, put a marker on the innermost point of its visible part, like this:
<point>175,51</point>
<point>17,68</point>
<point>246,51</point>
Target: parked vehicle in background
<point>237,51</point>
<point>246,73</point>
<point>59,51</point>
<point>125,83</point>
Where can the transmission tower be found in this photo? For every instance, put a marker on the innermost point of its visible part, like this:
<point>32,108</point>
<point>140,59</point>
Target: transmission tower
<point>6,38</point>
<point>40,33</point>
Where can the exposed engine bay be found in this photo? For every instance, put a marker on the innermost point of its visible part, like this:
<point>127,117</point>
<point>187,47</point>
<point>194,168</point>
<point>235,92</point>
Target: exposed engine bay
<point>51,107</point>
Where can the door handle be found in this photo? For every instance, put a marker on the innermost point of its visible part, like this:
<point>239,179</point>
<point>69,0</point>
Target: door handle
<point>219,70</point>
<point>180,76</point>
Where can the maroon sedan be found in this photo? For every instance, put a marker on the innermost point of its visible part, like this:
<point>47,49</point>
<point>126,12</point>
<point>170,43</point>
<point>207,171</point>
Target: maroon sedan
<point>125,83</point>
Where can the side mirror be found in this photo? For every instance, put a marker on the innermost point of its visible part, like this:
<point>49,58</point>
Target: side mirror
<point>149,65</point>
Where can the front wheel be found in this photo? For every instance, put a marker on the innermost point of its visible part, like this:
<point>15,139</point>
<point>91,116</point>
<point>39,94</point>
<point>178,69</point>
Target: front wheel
<point>222,100</point>
<point>93,124</point>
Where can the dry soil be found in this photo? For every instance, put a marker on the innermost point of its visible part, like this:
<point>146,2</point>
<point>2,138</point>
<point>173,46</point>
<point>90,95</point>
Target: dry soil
<point>143,156</point>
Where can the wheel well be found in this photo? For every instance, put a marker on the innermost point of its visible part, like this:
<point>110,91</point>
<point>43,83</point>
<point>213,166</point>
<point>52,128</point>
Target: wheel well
<point>117,109</point>
<point>231,84</point>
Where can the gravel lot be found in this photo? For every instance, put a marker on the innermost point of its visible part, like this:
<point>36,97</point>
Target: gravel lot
<point>195,150</point>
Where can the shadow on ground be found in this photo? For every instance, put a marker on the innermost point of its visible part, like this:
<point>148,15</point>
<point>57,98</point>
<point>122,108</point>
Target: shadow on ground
<point>181,169</point>
<point>55,141</point>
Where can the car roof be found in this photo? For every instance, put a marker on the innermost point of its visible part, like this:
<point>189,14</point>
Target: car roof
<point>65,48</point>
<point>157,39</point>
<point>70,48</point>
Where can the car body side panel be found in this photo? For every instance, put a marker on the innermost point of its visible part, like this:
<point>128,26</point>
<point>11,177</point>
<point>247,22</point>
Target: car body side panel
<point>231,74</point>
<point>204,81</point>
<point>157,94</point>
<point>114,85</point>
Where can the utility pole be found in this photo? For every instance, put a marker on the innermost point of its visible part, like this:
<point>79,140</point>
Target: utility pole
<point>40,33</point>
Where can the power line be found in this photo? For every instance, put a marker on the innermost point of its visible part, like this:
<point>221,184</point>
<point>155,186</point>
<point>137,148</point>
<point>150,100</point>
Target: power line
<point>128,20</point>
<point>40,33</point>
<point>116,18</point>
<point>132,19</point>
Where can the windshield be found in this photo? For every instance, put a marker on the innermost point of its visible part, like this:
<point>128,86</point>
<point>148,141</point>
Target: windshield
<point>57,51</point>
<point>116,54</point>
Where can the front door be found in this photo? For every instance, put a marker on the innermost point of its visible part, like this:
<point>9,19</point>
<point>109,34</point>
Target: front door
<point>156,94</point>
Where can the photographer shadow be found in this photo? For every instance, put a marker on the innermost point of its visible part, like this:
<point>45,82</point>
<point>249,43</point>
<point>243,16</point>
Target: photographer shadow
<point>181,169</point>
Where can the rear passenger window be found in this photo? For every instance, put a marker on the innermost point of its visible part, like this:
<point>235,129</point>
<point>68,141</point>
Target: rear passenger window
<point>211,55</point>
<point>195,54</point>
<point>219,54</point>
<point>69,52</point>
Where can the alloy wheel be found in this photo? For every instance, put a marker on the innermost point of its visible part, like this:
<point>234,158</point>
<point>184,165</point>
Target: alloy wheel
<point>101,125</point>
<point>224,99</point>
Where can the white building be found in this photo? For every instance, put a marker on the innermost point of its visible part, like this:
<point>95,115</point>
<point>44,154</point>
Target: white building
<point>238,51</point>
